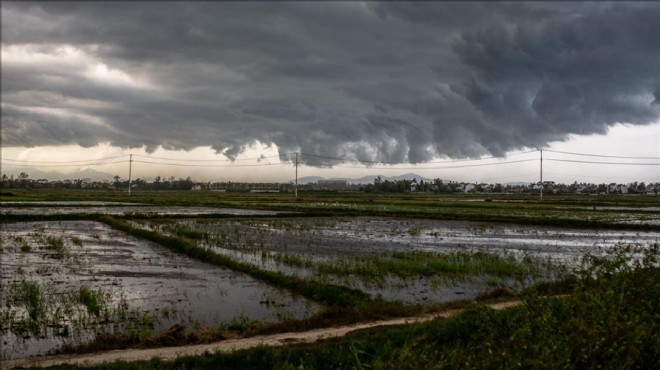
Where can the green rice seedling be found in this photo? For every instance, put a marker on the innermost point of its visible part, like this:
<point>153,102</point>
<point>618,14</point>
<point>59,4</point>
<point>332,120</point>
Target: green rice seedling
<point>57,245</point>
<point>93,300</point>
<point>29,295</point>
<point>25,247</point>
<point>414,231</point>
<point>241,323</point>
<point>289,259</point>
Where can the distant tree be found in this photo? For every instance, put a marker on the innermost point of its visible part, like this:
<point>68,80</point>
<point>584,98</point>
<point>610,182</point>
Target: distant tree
<point>139,183</point>
<point>440,187</point>
<point>23,178</point>
<point>117,182</point>
<point>641,188</point>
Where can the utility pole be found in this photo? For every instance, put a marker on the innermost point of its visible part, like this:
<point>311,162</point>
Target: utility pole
<point>130,168</point>
<point>296,188</point>
<point>541,150</point>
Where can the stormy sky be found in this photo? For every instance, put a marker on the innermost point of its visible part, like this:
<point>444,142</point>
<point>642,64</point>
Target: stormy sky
<point>387,82</point>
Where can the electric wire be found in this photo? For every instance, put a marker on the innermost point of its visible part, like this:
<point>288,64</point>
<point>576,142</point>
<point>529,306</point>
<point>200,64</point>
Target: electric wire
<point>595,162</point>
<point>599,177</point>
<point>598,155</point>
<point>65,165</point>
<point>62,162</point>
<point>434,168</point>
<point>207,160</point>
<point>210,165</point>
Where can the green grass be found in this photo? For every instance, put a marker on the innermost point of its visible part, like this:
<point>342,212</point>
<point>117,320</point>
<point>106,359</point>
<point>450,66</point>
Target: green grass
<point>412,264</point>
<point>93,300</point>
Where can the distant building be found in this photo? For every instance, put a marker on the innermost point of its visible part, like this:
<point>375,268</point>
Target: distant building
<point>470,188</point>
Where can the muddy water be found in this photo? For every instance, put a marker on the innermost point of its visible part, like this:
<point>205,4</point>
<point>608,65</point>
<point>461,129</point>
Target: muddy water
<point>255,241</point>
<point>368,236</point>
<point>151,279</point>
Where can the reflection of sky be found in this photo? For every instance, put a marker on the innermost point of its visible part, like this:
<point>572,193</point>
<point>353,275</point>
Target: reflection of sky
<point>380,235</point>
<point>149,277</point>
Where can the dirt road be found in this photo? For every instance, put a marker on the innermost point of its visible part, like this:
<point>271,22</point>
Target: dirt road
<point>274,340</point>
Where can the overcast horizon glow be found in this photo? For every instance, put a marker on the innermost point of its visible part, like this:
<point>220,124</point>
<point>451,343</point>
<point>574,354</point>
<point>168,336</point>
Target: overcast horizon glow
<point>381,82</point>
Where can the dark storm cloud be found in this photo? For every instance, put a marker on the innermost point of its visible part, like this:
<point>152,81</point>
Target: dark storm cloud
<point>375,81</point>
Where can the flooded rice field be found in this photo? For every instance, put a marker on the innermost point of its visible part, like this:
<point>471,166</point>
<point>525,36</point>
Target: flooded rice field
<point>68,203</point>
<point>344,251</point>
<point>127,210</point>
<point>63,282</point>
<point>369,236</point>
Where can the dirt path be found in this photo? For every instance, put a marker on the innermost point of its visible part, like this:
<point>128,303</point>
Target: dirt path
<point>273,340</point>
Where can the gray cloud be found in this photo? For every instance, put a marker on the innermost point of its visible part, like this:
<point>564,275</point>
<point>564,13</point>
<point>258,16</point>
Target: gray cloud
<point>375,81</point>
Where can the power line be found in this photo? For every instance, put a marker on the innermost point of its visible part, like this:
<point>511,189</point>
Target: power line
<point>601,177</point>
<point>211,165</point>
<point>434,168</point>
<point>599,155</point>
<point>64,165</point>
<point>209,160</point>
<point>62,162</point>
<point>594,162</point>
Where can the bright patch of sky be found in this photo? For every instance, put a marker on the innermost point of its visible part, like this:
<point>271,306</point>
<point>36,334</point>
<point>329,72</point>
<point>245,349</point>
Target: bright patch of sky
<point>260,163</point>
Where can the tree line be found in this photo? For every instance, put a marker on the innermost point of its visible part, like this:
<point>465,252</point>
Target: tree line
<point>379,185</point>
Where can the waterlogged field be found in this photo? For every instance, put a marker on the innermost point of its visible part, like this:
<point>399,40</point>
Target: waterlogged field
<point>68,208</point>
<point>407,260</point>
<point>66,282</point>
<point>478,208</point>
<point>369,236</point>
